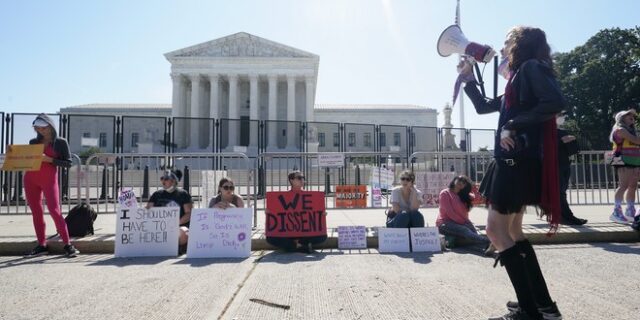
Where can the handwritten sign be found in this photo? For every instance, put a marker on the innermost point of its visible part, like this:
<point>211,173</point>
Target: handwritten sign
<point>295,214</point>
<point>145,232</point>
<point>352,237</point>
<point>431,183</point>
<point>217,233</point>
<point>425,239</point>
<point>376,197</point>
<point>23,157</point>
<point>331,160</point>
<point>127,199</point>
<point>382,177</point>
<point>351,196</point>
<point>393,240</point>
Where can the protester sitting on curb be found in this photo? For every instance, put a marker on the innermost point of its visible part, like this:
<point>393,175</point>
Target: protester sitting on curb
<point>303,244</point>
<point>173,196</point>
<point>453,217</point>
<point>405,202</point>
<point>45,181</point>
<point>226,197</point>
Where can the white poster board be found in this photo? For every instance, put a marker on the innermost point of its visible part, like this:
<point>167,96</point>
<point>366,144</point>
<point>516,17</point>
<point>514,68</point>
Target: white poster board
<point>331,160</point>
<point>352,237</point>
<point>425,240</point>
<point>376,197</point>
<point>127,198</point>
<point>382,177</point>
<point>431,183</point>
<point>393,240</point>
<point>209,180</point>
<point>217,233</point>
<point>142,232</point>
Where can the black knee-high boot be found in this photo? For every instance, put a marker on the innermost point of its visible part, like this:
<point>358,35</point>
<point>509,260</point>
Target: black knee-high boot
<point>538,284</point>
<point>513,261</point>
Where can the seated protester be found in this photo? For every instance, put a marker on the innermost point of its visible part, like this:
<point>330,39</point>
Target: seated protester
<point>226,197</point>
<point>303,244</point>
<point>405,202</point>
<point>453,218</point>
<point>172,196</point>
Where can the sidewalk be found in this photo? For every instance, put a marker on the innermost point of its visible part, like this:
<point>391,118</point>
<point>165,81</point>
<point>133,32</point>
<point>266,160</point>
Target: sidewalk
<point>17,235</point>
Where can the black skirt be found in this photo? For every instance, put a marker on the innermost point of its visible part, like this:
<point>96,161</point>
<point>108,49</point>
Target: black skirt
<point>508,185</point>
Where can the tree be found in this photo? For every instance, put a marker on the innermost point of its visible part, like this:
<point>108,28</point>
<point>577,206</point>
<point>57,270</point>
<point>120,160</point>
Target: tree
<point>599,79</point>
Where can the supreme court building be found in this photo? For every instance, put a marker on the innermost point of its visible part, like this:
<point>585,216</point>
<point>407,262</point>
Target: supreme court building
<point>246,93</point>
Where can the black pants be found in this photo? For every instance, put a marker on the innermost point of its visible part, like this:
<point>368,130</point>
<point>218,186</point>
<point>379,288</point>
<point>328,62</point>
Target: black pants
<point>565,175</point>
<point>289,244</point>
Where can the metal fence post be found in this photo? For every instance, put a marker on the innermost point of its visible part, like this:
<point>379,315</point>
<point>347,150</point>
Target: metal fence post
<point>145,183</point>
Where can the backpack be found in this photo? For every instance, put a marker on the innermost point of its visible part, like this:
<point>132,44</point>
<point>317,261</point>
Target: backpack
<point>80,220</point>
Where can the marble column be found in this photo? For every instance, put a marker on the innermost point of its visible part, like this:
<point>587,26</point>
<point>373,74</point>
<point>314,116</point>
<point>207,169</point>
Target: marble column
<point>291,111</point>
<point>214,106</point>
<point>194,123</point>
<point>234,110</point>
<point>310,84</point>
<point>178,109</point>
<point>254,109</point>
<point>272,126</point>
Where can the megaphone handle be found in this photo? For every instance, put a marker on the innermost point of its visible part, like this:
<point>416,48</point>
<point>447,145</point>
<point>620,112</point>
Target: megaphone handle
<point>480,81</point>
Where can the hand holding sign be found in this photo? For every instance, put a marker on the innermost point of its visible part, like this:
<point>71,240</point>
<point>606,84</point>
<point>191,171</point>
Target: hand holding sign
<point>26,157</point>
<point>295,214</point>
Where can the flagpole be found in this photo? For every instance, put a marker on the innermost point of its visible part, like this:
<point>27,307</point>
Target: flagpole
<point>463,142</point>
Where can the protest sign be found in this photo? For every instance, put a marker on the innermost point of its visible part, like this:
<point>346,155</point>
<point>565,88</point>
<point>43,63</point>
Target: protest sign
<point>295,214</point>
<point>127,199</point>
<point>351,196</point>
<point>382,177</point>
<point>217,233</point>
<point>331,160</point>
<point>430,184</point>
<point>23,157</point>
<point>352,237</point>
<point>376,197</point>
<point>393,240</point>
<point>142,232</point>
<point>478,199</point>
<point>425,240</point>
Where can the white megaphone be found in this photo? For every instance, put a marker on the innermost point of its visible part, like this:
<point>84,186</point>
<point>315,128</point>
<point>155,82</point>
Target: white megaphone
<point>452,40</point>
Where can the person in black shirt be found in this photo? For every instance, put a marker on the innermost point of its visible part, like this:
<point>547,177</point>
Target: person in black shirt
<point>525,169</point>
<point>172,196</point>
<point>567,146</point>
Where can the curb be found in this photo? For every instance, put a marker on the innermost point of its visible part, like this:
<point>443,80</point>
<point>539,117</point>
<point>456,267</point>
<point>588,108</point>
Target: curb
<point>537,234</point>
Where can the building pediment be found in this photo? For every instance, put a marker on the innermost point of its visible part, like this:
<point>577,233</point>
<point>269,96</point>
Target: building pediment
<point>240,44</point>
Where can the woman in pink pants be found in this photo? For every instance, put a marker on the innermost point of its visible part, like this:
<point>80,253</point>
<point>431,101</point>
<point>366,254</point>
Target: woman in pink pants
<point>45,181</point>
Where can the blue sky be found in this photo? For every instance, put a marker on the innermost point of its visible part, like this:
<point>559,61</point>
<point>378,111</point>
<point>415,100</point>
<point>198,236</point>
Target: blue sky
<point>61,53</point>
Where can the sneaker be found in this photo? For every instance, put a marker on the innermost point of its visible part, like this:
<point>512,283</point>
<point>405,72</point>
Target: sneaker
<point>70,251</point>
<point>617,216</point>
<point>630,213</point>
<point>550,313</point>
<point>37,251</point>
<point>514,315</point>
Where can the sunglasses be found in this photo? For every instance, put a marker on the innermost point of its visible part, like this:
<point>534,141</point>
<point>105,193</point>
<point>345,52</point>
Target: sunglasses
<point>230,188</point>
<point>299,177</point>
<point>405,179</point>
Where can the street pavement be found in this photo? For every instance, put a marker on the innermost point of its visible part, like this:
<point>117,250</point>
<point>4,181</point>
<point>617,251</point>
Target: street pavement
<point>588,281</point>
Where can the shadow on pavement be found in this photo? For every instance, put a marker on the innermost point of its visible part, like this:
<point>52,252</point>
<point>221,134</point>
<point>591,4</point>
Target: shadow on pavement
<point>624,248</point>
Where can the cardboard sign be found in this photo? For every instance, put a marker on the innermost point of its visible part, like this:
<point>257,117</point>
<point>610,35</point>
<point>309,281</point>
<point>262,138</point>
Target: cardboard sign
<point>295,214</point>
<point>431,183</point>
<point>217,233</point>
<point>127,199</point>
<point>478,199</point>
<point>331,160</point>
<point>393,240</point>
<point>352,237</point>
<point>425,240</point>
<point>23,157</point>
<point>351,196</point>
<point>145,232</point>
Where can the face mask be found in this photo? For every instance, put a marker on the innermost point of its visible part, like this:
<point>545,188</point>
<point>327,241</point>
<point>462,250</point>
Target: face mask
<point>560,120</point>
<point>170,189</point>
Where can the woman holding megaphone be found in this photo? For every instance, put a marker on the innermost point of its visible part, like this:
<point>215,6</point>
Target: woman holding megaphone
<point>525,169</point>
